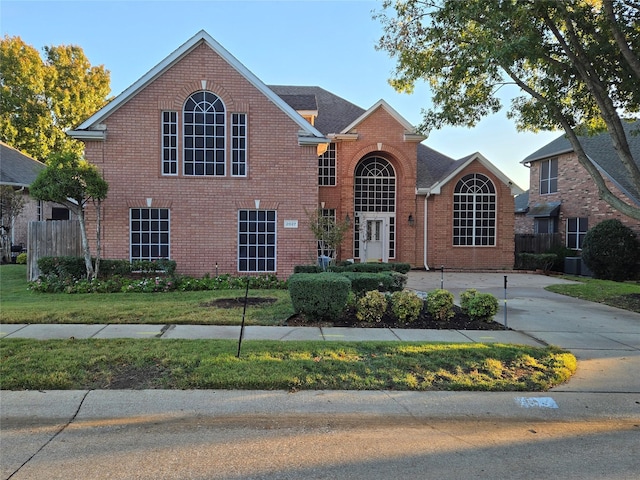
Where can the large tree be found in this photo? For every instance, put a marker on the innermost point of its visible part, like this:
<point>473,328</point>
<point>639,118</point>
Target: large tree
<point>73,182</point>
<point>40,99</point>
<point>576,63</point>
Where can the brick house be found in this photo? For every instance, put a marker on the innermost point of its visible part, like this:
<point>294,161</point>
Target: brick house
<point>209,166</point>
<point>563,198</point>
<point>18,171</point>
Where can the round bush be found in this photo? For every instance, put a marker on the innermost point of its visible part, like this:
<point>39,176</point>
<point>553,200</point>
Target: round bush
<point>21,259</point>
<point>440,304</point>
<point>371,307</point>
<point>611,251</point>
<point>406,306</point>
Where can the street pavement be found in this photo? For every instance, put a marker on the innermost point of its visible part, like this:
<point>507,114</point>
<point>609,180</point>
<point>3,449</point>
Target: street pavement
<point>588,428</point>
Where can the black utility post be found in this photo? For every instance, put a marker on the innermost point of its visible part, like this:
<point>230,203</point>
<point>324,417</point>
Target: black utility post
<point>442,277</point>
<point>244,311</point>
<point>505,302</point>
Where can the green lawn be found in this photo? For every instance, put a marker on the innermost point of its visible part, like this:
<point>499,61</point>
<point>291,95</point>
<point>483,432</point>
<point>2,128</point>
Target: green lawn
<point>269,365</point>
<point>20,305</point>
<point>625,295</point>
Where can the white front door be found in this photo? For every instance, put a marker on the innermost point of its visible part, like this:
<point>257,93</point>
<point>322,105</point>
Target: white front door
<point>375,239</point>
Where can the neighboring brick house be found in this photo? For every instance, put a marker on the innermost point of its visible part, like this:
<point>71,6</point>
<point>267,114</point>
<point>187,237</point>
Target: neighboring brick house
<point>18,170</point>
<point>216,170</point>
<point>563,197</point>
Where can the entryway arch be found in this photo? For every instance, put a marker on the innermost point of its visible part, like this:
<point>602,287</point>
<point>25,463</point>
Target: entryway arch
<point>375,209</point>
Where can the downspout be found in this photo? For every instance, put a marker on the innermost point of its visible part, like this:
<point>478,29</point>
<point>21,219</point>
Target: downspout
<point>426,266</point>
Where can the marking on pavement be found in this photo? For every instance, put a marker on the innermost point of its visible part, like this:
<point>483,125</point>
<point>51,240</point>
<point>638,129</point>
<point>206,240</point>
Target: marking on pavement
<point>536,402</point>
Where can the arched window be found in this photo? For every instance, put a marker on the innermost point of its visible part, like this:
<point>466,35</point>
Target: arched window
<point>474,211</point>
<point>204,134</point>
<point>375,186</point>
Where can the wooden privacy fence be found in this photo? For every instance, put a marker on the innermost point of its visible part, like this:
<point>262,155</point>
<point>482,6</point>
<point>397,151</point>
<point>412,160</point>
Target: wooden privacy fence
<point>537,242</point>
<point>57,238</point>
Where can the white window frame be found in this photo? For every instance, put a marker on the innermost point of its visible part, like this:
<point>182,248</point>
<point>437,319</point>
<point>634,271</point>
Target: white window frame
<point>576,234</point>
<point>327,167</point>
<point>169,153</point>
<point>199,142</point>
<point>148,228</point>
<point>548,182</point>
<point>257,241</point>
<point>239,144</point>
<point>472,213</point>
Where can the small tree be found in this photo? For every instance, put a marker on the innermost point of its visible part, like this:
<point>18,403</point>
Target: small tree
<point>11,204</point>
<point>611,251</point>
<point>327,231</point>
<point>72,181</point>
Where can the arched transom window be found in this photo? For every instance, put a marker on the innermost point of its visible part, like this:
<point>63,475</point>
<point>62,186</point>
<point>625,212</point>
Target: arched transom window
<point>204,134</point>
<point>474,211</point>
<point>375,186</point>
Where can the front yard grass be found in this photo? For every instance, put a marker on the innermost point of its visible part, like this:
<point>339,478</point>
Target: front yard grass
<point>625,295</point>
<point>18,304</point>
<point>273,365</point>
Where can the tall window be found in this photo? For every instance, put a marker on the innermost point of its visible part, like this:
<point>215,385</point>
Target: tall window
<point>474,211</point>
<point>239,144</point>
<point>169,143</point>
<point>204,135</point>
<point>257,241</point>
<point>549,176</point>
<point>149,230</point>
<point>576,230</point>
<point>327,220</point>
<point>327,167</point>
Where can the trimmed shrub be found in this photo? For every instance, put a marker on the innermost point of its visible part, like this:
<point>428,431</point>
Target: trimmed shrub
<point>386,281</point>
<point>21,259</point>
<point>536,261</point>
<point>373,267</point>
<point>406,306</point>
<point>611,251</point>
<point>319,295</point>
<point>479,306</point>
<point>465,299</point>
<point>370,308</point>
<point>307,269</point>
<point>440,304</point>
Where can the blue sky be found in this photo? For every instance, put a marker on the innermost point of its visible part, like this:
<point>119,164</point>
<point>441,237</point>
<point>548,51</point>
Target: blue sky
<point>305,42</point>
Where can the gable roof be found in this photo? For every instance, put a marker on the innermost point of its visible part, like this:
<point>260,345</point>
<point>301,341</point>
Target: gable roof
<point>600,151</point>
<point>91,128</point>
<point>458,165</point>
<point>16,168</point>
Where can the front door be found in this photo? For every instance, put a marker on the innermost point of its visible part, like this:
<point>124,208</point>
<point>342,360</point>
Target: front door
<point>375,240</point>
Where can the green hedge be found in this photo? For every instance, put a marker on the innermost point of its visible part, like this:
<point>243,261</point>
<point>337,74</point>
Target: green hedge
<point>319,295</point>
<point>74,267</point>
<point>535,261</point>
<point>388,281</point>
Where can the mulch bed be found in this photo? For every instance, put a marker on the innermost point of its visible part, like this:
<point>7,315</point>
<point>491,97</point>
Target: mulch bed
<point>460,321</point>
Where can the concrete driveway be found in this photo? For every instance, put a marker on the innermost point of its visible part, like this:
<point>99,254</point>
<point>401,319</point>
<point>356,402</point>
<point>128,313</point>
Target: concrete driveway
<point>605,340</point>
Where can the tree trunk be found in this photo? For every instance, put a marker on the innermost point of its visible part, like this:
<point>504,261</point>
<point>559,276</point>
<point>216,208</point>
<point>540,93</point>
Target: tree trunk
<point>85,244</point>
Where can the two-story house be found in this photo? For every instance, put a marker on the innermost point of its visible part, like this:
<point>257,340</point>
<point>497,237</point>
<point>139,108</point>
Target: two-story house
<point>210,167</point>
<point>563,198</point>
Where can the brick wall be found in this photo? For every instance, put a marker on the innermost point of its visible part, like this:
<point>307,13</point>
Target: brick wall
<point>281,174</point>
<point>578,194</point>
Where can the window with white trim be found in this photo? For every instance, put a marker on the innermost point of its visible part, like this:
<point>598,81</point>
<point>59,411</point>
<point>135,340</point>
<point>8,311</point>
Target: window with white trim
<point>549,176</point>
<point>170,143</point>
<point>149,233</point>
<point>239,144</point>
<point>257,240</point>
<point>576,231</point>
<point>474,211</point>
<point>204,125</point>
<point>327,220</point>
<point>327,167</point>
